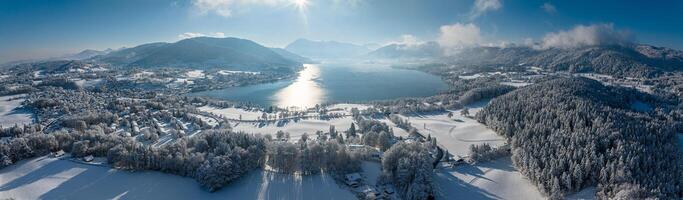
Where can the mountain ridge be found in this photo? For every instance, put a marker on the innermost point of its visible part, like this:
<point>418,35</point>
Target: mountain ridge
<point>635,60</point>
<point>326,49</point>
<point>201,52</point>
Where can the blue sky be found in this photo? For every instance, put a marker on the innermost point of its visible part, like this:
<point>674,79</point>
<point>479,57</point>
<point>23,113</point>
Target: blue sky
<point>38,29</point>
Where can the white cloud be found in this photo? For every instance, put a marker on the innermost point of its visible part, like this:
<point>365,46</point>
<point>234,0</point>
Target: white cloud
<point>549,8</point>
<point>225,8</point>
<point>192,35</point>
<point>528,42</point>
<point>459,36</point>
<point>482,6</point>
<point>407,40</point>
<point>219,7</point>
<point>596,34</point>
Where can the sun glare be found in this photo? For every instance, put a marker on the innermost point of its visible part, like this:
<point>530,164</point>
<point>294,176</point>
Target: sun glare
<point>300,4</point>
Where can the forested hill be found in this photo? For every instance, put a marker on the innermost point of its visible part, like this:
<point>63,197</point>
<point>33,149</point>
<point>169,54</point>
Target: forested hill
<point>570,133</point>
<point>632,61</point>
<point>618,60</point>
<point>202,53</point>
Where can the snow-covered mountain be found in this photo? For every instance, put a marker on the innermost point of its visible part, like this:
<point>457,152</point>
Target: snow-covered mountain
<point>634,60</point>
<point>408,51</point>
<point>638,61</point>
<point>326,49</point>
<point>292,56</point>
<point>87,54</point>
<point>202,52</point>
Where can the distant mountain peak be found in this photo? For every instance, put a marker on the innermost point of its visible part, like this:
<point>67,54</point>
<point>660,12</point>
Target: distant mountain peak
<point>326,49</point>
<point>202,52</point>
<point>408,51</point>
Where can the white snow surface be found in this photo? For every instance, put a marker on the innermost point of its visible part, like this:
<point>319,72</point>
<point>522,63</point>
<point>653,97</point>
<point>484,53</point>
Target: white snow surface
<point>192,74</point>
<point>497,179</point>
<point>491,180</point>
<point>585,194</point>
<point>515,83</point>
<point>296,128</point>
<point>11,112</point>
<point>228,72</point>
<point>232,113</point>
<point>397,131</point>
<point>458,133</point>
<point>345,108</point>
<point>474,76</point>
<point>50,178</point>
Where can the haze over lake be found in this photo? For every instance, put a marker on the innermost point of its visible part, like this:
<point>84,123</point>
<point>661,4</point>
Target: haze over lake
<point>335,82</point>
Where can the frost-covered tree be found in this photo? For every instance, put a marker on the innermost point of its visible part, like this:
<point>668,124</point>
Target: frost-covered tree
<point>465,112</point>
<point>484,152</point>
<point>217,172</point>
<point>351,132</point>
<point>569,133</point>
<point>409,167</point>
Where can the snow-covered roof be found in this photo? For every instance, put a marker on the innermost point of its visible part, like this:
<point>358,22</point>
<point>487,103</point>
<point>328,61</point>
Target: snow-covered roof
<point>88,158</point>
<point>353,177</point>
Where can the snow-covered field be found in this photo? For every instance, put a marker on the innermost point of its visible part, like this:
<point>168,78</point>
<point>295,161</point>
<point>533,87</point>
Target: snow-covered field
<point>232,113</point>
<point>515,83</point>
<point>491,180</point>
<point>209,120</point>
<point>11,112</point>
<point>143,74</point>
<point>228,72</point>
<point>345,108</point>
<point>296,128</point>
<point>398,132</point>
<point>585,194</point>
<point>474,76</point>
<point>457,133</point>
<point>195,74</point>
<point>49,178</point>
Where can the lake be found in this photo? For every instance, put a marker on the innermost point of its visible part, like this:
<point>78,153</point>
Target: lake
<point>335,82</point>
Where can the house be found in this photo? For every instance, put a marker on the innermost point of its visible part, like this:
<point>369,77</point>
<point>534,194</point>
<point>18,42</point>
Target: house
<point>352,179</point>
<point>388,191</point>
<point>371,193</point>
<point>458,161</point>
<point>88,158</point>
<point>57,154</point>
<point>377,155</point>
<point>136,128</point>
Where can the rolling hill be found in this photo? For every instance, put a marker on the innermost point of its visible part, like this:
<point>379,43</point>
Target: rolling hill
<point>404,51</point>
<point>202,53</point>
<point>567,134</point>
<point>632,61</point>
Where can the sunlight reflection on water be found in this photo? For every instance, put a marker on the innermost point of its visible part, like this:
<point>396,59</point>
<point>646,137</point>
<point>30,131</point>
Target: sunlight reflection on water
<point>305,92</point>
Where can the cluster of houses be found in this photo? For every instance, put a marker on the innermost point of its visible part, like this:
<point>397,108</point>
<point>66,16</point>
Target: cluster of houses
<point>61,153</point>
<point>354,180</point>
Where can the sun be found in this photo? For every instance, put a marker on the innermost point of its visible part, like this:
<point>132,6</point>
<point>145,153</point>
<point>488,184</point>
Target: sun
<point>300,4</point>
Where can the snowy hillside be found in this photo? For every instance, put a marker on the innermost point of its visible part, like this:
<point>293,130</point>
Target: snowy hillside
<point>50,178</point>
